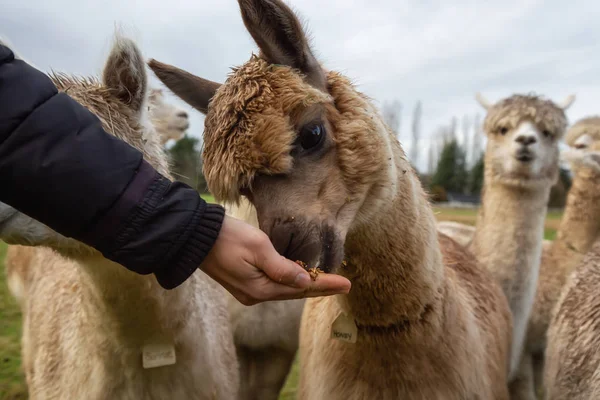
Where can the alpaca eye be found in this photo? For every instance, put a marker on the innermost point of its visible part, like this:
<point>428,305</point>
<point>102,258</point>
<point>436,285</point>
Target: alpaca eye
<point>311,136</point>
<point>503,130</point>
<point>546,133</point>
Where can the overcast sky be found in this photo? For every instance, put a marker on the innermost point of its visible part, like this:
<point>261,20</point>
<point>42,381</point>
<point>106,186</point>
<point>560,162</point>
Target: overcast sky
<point>439,52</point>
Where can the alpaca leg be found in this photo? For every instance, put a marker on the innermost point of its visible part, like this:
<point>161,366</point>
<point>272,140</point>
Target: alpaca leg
<point>522,386</point>
<point>264,373</point>
<point>538,373</point>
<point>245,363</point>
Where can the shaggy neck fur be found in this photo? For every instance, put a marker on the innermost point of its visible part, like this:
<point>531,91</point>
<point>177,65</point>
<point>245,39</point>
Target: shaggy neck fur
<point>153,318</point>
<point>394,260</point>
<point>580,224</point>
<point>508,241</point>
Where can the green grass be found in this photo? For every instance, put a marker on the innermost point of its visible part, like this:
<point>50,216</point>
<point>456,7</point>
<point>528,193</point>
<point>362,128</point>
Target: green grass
<point>291,384</point>
<point>469,216</point>
<point>208,198</point>
<point>12,383</point>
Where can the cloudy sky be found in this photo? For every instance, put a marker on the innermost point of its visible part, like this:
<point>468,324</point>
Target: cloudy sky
<point>439,52</point>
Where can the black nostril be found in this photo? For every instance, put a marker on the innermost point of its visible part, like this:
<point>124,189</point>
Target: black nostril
<point>182,114</point>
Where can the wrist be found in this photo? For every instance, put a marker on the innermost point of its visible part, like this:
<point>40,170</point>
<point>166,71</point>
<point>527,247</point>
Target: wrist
<point>205,229</point>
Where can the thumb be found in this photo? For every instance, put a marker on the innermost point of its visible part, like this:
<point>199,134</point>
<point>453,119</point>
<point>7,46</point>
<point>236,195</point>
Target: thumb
<point>282,270</point>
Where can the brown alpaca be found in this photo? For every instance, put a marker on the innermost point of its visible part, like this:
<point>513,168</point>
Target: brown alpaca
<point>265,334</point>
<point>521,166</point>
<point>572,356</point>
<point>87,321</point>
<point>578,230</point>
<point>579,227</point>
<point>330,182</point>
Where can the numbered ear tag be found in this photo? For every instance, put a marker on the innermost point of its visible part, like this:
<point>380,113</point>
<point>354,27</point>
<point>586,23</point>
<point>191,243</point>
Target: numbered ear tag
<point>344,328</point>
<point>158,355</point>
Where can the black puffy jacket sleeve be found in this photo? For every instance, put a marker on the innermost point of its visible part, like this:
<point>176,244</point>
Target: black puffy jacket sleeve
<point>58,166</point>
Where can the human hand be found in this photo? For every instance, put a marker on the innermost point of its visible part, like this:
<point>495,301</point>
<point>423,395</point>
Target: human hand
<point>244,261</point>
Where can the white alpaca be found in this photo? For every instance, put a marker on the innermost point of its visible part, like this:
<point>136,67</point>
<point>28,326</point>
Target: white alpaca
<point>521,166</point>
<point>171,122</point>
<point>91,327</point>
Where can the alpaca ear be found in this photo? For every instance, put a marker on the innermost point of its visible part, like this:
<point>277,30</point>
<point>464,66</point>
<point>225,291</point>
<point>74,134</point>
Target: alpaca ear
<point>280,37</point>
<point>125,74</point>
<point>566,103</point>
<point>485,103</point>
<point>155,94</point>
<point>195,91</point>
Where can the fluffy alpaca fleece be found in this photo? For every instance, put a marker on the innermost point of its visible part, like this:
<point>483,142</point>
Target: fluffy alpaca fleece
<point>87,319</point>
<point>589,126</point>
<point>510,223</point>
<point>579,228</point>
<point>572,356</point>
<point>461,233</point>
<point>265,334</point>
<point>170,121</point>
<point>430,323</point>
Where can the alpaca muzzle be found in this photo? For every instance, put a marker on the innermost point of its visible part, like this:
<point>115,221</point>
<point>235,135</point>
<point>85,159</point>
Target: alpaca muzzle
<point>317,245</point>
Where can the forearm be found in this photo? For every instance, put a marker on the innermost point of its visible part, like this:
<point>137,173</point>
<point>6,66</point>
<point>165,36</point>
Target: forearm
<point>58,166</point>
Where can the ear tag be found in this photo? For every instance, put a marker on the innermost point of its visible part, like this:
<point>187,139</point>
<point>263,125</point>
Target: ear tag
<point>344,328</point>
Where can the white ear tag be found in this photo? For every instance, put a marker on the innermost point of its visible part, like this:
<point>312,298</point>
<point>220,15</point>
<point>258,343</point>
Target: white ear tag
<point>158,355</point>
<point>344,328</point>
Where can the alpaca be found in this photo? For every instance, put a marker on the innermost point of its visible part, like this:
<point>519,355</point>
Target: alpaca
<point>170,121</point>
<point>579,228</point>
<point>265,334</point>
<point>88,322</point>
<point>521,166</point>
<point>333,188</point>
<point>571,356</point>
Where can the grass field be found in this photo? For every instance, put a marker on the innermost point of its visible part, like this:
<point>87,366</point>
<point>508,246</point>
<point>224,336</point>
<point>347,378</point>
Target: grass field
<point>12,386</point>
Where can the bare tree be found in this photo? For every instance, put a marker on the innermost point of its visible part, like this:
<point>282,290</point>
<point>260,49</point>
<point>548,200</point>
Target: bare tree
<point>431,160</point>
<point>466,128</point>
<point>392,115</point>
<point>476,147</point>
<point>416,133</point>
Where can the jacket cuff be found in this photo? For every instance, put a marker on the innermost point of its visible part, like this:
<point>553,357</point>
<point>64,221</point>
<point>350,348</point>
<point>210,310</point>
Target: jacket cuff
<point>206,227</point>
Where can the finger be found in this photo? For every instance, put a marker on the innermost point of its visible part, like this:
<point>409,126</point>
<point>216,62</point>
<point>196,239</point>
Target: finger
<point>325,285</point>
<point>282,270</point>
<point>330,282</point>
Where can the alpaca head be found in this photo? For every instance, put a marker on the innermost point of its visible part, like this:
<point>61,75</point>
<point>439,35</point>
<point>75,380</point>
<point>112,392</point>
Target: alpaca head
<point>308,150</point>
<point>583,139</point>
<point>170,121</point>
<point>584,133</point>
<point>523,133</point>
<point>119,100</point>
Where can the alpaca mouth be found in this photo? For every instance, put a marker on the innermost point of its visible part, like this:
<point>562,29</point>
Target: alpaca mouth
<point>524,156</point>
<point>182,126</point>
<point>317,246</point>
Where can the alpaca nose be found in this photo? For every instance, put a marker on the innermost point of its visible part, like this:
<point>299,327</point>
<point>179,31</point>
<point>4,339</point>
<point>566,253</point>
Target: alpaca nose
<point>526,140</point>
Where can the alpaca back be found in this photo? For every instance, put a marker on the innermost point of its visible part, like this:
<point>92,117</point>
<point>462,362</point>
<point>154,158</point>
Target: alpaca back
<point>572,356</point>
